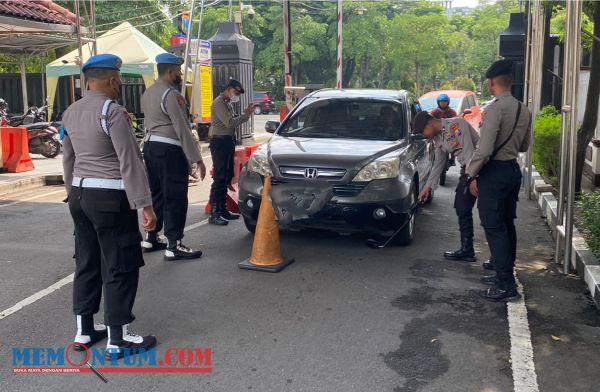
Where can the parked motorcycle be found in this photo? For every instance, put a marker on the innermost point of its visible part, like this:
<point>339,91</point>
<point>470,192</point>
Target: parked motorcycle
<point>43,139</point>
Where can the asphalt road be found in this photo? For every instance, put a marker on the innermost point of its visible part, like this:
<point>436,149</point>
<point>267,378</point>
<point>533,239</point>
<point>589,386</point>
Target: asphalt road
<point>343,317</point>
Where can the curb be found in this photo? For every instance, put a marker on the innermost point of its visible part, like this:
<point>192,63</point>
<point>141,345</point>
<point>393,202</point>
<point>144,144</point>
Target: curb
<point>30,183</point>
<point>582,260</point>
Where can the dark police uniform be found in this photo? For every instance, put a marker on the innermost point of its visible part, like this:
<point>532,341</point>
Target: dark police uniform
<point>505,133</point>
<point>169,152</point>
<point>460,139</point>
<point>222,148</point>
<point>106,183</point>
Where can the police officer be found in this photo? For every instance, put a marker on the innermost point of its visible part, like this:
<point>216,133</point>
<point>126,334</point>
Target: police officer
<point>495,177</point>
<point>222,148</point>
<point>452,136</point>
<point>106,183</point>
<point>169,152</point>
<point>443,110</point>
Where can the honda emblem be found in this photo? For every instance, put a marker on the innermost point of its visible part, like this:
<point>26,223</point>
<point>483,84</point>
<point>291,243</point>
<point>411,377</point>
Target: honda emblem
<point>311,172</point>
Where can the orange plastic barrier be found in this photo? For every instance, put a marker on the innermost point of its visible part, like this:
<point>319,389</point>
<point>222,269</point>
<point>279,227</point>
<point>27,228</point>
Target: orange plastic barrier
<point>282,112</point>
<point>241,156</point>
<point>15,150</point>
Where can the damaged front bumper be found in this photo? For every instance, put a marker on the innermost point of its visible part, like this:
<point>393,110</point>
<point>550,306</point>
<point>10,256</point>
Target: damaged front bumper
<point>377,207</point>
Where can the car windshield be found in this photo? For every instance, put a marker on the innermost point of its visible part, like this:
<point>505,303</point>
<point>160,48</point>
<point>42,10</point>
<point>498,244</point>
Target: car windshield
<point>347,119</point>
<point>430,103</point>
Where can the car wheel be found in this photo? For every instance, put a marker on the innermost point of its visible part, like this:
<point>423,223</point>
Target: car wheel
<point>443,178</point>
<point>407,234</point>
<point>257,110</point>
<point>249,225</point>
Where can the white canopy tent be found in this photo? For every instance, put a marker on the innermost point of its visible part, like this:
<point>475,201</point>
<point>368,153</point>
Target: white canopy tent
<point>135,49</point>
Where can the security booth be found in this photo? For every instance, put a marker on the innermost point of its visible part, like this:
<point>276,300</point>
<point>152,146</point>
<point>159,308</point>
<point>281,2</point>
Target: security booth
<point>199,89</point>
<point>512,47</point>
<point>232,58</point>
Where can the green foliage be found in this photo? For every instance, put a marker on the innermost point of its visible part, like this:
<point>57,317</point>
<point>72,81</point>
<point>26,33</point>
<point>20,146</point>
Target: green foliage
<point>547,142</point>
<point>464,83</point>
<point>588,207</point>
<point>447,85</point>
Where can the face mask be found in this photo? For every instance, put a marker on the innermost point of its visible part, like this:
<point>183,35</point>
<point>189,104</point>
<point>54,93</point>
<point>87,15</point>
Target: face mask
<point>235,98</point>
<point>177,80</point>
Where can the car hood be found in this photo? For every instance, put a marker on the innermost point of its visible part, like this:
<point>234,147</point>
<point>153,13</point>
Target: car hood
<point>327,153</point>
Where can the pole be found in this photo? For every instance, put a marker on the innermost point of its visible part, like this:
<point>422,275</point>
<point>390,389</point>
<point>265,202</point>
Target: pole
<point>527,82</point>
<point>241,16</point>
<point>339,45</point>
<point>287,44</point>
<point>195,69</point>
<point>574,41</point>
<point>93,26</point>
<point>80,52</point>
<point>187,49</point>
<point>24,84</point>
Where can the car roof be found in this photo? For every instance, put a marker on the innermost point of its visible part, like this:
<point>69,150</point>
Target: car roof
<point>359,93</point>
<point>450,93</point>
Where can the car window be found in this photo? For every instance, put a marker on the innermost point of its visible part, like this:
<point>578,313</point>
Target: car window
<point>346,119</point>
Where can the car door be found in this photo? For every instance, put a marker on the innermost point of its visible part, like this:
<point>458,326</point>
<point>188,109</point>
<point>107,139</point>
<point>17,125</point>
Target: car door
<point>423,157</point>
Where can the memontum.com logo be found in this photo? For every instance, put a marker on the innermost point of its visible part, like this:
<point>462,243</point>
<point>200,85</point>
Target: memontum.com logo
<point>68,360</point>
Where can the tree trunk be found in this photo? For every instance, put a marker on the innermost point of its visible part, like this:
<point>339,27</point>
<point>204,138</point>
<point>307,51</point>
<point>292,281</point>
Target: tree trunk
<point>417,78</point>
<point>348,72</point>
<point>590,118</point>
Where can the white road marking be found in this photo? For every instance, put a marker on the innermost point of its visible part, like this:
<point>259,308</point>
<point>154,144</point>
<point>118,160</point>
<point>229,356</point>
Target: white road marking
<point>31,198</point>
<point>64,281</point>
<point>521,349</point>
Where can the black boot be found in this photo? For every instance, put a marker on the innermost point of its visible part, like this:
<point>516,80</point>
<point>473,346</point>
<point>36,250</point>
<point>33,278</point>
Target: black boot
<point>216,218</point>
<point>491,280</point>
<point>488,265</point>
<point>153,242</point>
<point>226,214</point>
<point>500,294</point>
<point>465,253</point>
<point>88,333</point>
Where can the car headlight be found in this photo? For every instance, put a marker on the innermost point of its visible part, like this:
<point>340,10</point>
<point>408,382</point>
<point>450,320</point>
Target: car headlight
<point>384,167</point>
<point>259,163</point>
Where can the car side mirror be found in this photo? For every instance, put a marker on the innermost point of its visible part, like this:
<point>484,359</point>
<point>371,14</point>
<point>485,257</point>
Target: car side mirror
<point>271,126</point>
<point>417,136</point>
<point>467,111</point>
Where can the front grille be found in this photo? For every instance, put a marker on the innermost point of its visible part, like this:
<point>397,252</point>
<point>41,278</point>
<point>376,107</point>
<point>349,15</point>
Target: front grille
<point>312,172</point>
<point>349,190</point>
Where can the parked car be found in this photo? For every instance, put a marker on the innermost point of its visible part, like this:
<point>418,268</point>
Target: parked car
<point>462,101</point>
<point>342,160</point>
<point>263,104</point>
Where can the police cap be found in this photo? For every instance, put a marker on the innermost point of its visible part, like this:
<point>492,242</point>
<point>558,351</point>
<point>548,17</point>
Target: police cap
<point>237,86</point>
<point>103,61</point>
<point>168,58</point>
<point>500,67</point>
<point>420,122</point>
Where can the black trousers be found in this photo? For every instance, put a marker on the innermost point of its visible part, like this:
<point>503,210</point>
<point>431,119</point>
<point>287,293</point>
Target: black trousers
<point>222,150</point>
<point>463,205</point>
<point>168,172</point>
<point>107,253</point>
<point>499,183</point>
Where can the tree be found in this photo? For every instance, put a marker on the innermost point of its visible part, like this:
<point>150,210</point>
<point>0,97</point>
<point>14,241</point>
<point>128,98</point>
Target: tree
<point>590,117</point>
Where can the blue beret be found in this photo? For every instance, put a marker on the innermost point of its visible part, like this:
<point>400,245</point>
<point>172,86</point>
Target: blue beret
<point>500,67</point>
<point>104,61</point>
<point>168,58</point>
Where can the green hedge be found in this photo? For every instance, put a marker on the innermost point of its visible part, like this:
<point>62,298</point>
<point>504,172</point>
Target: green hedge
<point>589,212</point>
<point>546,145</point>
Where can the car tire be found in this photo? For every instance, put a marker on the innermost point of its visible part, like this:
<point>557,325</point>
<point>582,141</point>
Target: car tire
<point>407,234</point>
<point>257,110</point>
<point>251,227</point>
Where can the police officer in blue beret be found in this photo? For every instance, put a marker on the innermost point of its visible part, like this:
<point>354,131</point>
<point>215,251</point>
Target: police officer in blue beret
<point>495,177</point>
<point>106,183</point>
<point>169,152</point>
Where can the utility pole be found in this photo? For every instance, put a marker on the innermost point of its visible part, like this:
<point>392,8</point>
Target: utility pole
<point>287,43</point>
<point>93,26</point>
<point>339,45</point>
<point>79,43</point>
<point>187,49</point>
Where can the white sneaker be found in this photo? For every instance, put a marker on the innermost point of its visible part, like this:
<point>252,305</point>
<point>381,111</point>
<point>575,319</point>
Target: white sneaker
<point>133,343</point>
<point>181,251</point>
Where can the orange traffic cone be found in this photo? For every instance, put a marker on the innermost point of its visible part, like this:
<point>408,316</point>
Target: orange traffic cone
<point>266,250</point>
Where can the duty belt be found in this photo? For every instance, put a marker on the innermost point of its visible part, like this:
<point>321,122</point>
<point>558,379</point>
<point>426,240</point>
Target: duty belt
<point>98,183</point>
<point>162,139</point>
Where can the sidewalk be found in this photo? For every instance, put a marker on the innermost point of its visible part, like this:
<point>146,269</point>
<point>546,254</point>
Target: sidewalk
<point>50,170</point>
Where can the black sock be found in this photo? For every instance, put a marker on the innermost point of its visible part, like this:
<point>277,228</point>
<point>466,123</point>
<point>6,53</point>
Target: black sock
<point>115,334</point>
<point>86,323</point>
